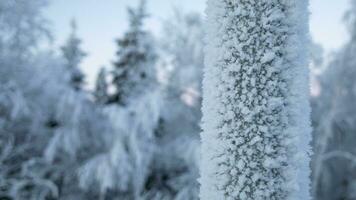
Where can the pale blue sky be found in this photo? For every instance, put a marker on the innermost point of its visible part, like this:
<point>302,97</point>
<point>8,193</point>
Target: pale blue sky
<point>101,22</point>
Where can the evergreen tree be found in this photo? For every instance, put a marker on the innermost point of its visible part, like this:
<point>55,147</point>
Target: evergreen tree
<point>183,46</point>
<point>175,170</point>
<point>101,87</point>
<point>255,143</point>
<point>134,69</point>
<point>125,169</point>
<point>23,102</point>
<point>22,28</point>
<point>334,116</point>
<point>73,56</point>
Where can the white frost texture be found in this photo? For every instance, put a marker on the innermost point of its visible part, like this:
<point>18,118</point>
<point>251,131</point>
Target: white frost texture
<point>256,126</point>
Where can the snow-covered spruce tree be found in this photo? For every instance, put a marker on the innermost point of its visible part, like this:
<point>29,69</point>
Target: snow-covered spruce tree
<point>183,46</point>
<point>101,87</point>
<point>255,143</point>
<point>22,28</point>
<point>175,170</point>
<point>22,137</point>
<point>73,56</point>
<point>124,170</point>
<point>334,116</point>
<point>134,68</point>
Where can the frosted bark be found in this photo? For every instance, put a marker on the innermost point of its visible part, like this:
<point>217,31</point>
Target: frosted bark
<point>256,127</point>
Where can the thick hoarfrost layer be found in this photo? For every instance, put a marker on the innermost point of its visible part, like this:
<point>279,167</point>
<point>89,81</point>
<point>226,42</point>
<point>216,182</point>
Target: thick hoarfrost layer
<point>256,128</point>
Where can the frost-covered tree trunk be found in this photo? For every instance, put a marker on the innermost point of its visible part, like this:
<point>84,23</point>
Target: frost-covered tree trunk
<point>256,127</point>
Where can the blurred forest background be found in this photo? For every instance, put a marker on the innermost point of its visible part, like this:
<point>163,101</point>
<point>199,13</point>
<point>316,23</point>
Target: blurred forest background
<point>135,133</point>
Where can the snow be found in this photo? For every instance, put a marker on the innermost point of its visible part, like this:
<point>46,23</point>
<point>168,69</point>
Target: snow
<point>137,136</point>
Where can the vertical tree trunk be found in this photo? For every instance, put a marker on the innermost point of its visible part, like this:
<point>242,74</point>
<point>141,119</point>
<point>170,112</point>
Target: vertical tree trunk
<point>256,126</point>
